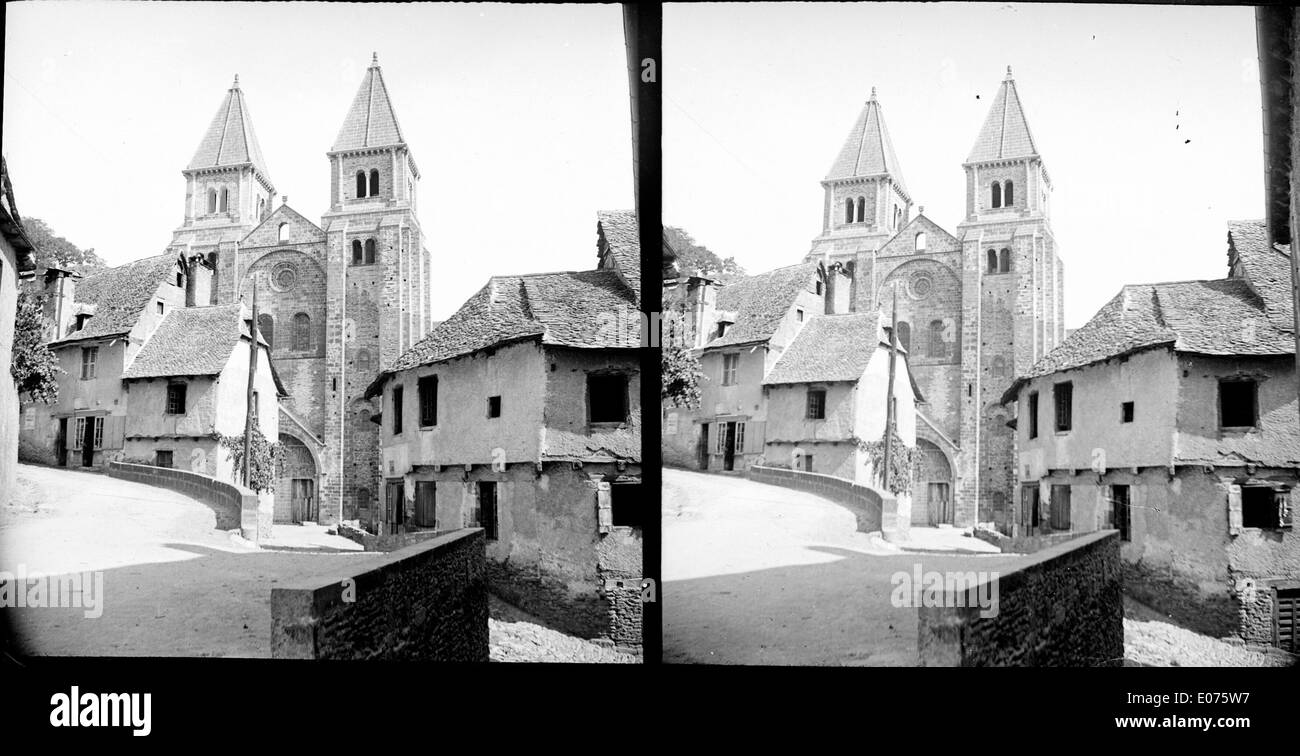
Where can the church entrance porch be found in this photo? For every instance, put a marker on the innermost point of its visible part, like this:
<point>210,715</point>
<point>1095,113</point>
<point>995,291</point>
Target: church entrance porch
<point>296,498</point>
<point>933,504</point>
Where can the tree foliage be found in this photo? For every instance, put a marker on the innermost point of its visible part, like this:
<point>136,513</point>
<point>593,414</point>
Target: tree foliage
<point>681,377</point>
<point>54,251</point>
<point>35,369</point>
<point>267,457</point>
<point>904,462</point>
<point>693,257</point>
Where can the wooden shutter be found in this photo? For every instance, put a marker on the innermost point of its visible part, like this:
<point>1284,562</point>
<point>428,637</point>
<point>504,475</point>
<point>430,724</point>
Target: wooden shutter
<point>604,507</point>
<point>1283,499</point>
<point>114,428</point>
<point>754,436</point>
<point>1286,611</point>
<point>1234,509</point>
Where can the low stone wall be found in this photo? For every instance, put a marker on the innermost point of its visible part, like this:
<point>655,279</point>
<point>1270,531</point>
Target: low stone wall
<point>424,602</point>
<point>1022,544</point>
<point>235,506</point>
<point>1062,608</point>
<point>391,542</point>
<point>875,509</point>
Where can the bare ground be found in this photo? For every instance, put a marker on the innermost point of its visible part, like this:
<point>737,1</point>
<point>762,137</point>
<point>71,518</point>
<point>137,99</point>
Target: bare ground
<point>1151,639</point>
<point>516,636</point>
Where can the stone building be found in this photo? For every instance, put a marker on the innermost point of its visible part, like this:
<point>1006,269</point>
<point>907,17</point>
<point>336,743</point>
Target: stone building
<point>336,301</point>
<point>975,306</point>
<point>17,262</point>
<point>520,414</point>
<point>1171,416</point>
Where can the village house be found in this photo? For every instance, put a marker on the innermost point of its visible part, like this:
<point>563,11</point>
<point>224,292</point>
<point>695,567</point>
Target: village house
<point>827,393</point>
<point>1171,416</point>
<point>17,263</point>
<point>520,414</point>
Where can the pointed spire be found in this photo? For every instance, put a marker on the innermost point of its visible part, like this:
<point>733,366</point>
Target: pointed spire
<point>868,150</point>
<point>370,121</point>
<point>1005,134</point>
<point>230,139</point>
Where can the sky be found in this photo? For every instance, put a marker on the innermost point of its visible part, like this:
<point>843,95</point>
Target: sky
<point>1147,118</point>
<point>517,116</point>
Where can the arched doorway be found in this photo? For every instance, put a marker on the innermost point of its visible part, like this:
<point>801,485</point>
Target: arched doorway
<point>932,503</point>
<point>296,497</point>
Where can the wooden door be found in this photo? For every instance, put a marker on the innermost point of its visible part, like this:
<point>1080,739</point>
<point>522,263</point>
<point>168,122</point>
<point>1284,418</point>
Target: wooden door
<point>304,499</point>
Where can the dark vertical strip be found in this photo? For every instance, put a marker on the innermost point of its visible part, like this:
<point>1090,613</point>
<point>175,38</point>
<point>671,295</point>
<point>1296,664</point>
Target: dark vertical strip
<point>643,26</point>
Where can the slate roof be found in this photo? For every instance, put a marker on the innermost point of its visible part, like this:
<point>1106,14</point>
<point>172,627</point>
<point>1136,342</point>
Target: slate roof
<point>1005,134</point>
<point>230,139</point>
<point>1268,269</point>
<point>829,348</point>
<point>120,294</point>
<point>371,121</point>
<point>868,150</point>
<point>622,235</point>
<point>760,302</point>
<point>190,341</point>
<point>11,226</point>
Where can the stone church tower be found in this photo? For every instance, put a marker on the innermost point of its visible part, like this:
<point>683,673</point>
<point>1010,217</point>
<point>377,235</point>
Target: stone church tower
<point>973,307</point>
<point>336,301</point>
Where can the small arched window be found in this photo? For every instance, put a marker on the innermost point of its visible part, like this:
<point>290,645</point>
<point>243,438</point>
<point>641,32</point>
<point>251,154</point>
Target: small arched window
<point>225,200</point>
<point>374,183</point>
<point>848,210</point>
<point>1009,194</point>
<point>363,498</point>
<point>920,242</point>
<point>937,346</point>
<point>266,327</point>
<point>862,209</point>
<point>370,251</point>
<point>282,233</point>
<point>999,366</point>
<point>301,332</point>
<point>997,195</point>
<point>361,184</point>
<point>363,365</point>
<point>898,216</point>
<point>356,252</point>
<point>212,200</point>
<point>1004,261</point>
<point>993,261</point>
<point>905,335</point>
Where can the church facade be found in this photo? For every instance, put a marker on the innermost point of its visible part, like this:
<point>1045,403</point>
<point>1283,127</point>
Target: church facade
<point>975,305</point>
<point>336,300</point>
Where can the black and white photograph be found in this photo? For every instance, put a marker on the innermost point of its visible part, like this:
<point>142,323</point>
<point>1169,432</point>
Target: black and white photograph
<point>982,347</point>
<point>327,332</point>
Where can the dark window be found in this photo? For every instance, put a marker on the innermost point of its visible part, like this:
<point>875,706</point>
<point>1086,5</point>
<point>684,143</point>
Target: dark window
<point>161,308</point>
<point>426,510</point>
<point>370,251</point>
<point>212,201</point>
<point>937,346</point>
<point>395,503</point>
<point>1004,261</point>
<point>176,399</point>
<point>301,332</point>
<point>397,410</point>
<point>266,328</point>
<point>485,516</point>
<point>1259,507</point>
<point>494,406</point>
<point>1126,412</point>
<point>97,441</point>
<point>1060,507</point>
<point>1237,404</point>
<point>1121,517</point>
<point>225,200</point>
<point>428,388</point>
<point>993,261</point>
<point>80,322</point>
<point>722,329</point>
<point>374,183</point>
<point>1033,414</point>
<point>88,357</point>
<point>729,364</point>
<point>848,210</point>
<point>816,404</point>
<point>607,398</point>
<point>1009,194</point>
<point>905,335</point>
<point>1063,394</point>
<point>798,314</point>
<point>180,280</point>
<point>627,505</point>
<point>356,252</point>
<point>163,458</point>
<point>808,463</point>
<point>819,287</point>
<point>361,184</point>
<point>997,194</point>
<point>862,209</point>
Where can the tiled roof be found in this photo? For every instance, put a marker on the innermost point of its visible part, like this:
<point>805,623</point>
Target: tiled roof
<point>1268,269</point>
<point>120,294</point>
<point>868,150</point>
<point>190,341</point>
<point>622,235</point>
<point>760,302</point>
<point>583,309</point>
<point>829,348</point>
<point>370,121</point>
<point>230,139</point>
<point>1005,134</point>
<point>1222,317</point>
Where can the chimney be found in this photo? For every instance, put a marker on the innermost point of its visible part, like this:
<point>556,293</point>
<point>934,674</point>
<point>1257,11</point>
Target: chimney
<point>60,295</point>
<point>198,280</point>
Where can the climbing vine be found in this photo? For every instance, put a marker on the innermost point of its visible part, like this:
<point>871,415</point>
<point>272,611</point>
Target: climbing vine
<point>267,457</point>
<point>904,462</point>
